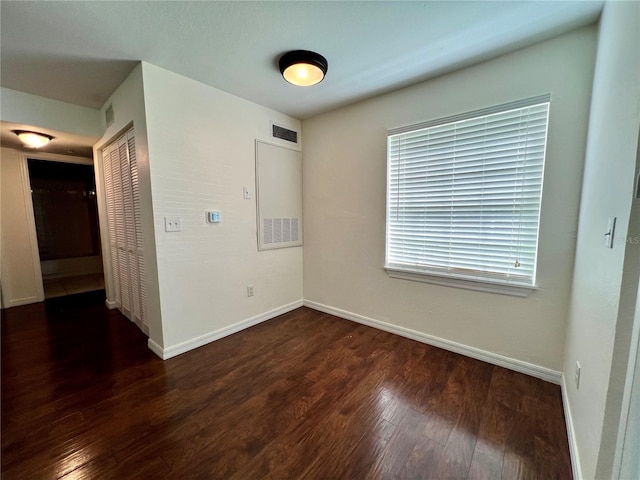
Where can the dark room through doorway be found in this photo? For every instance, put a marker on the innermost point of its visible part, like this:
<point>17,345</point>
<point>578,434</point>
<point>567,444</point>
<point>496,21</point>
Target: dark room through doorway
<point>66,217</point>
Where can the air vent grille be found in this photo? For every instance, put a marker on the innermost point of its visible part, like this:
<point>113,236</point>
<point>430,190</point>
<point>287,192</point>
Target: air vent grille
<point>108,115</point>
<point>284,133</point>
<point>280,230</point>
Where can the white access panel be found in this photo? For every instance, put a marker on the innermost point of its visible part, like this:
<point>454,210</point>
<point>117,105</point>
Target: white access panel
<point>278,196</point>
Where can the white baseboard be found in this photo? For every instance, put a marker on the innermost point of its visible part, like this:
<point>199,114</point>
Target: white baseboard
<point>531,369</point>
<point>172,351</point>
<point>155,348</point>
<point>18,302</point>
<point>110,304</point>
<point>571,435</point>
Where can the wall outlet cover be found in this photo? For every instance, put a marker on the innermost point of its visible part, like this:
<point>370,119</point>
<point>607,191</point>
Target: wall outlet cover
<point>172,224</point>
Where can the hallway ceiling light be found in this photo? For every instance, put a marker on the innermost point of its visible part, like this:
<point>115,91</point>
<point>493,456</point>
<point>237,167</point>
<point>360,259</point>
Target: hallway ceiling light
<point>303,68</point>
<point>33,139</point>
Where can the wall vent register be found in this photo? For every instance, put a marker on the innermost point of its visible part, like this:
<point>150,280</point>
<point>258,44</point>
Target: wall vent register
<point>280,230</point>
<point>278,196</point>
<point>109,116</point>
<point>283,133</point>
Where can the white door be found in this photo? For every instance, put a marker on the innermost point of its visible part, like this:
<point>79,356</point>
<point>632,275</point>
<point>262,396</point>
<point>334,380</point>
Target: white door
<point>125,228</point>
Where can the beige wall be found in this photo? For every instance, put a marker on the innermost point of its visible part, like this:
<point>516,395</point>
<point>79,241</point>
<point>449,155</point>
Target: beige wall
<point>20,107</point>
<point>67,267</point>
<point>344,163</point>
<point>202,153</point>
<point>606,280</point>
<point>20,260</point>
<point>21,276</point>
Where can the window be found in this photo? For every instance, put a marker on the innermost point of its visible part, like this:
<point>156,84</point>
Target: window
<point>463,198</point>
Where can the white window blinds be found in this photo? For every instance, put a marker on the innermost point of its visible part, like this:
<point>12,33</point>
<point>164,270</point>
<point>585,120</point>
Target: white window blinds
<point>463,194</point>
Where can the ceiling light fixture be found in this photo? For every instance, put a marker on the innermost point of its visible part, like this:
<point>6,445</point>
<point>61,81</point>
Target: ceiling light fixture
<point>33,139</point>
<point>303,68</point>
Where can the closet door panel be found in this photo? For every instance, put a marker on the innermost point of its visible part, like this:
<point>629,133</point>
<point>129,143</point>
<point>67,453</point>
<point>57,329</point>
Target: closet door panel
<point>132,255</point>
<point>125,228</point>
<point>120,258</point>
<point>129,228</point>
<point>140,307</point>
<point>113,248</point>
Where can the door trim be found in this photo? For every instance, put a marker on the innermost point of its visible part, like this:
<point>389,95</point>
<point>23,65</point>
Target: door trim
<point>31,226</point>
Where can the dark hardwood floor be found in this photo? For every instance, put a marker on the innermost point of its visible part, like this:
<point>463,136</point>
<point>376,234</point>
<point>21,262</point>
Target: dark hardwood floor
<point>305,395</point>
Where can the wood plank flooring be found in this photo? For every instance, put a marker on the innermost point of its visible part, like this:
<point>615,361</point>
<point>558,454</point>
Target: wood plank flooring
<point>305,395</point>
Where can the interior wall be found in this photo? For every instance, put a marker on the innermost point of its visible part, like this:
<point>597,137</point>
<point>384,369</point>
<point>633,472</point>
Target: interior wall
<point>21,276</point>
<point>626,336</point>
<point>21,282</point>
<point>20,107</point>
<point>599,320</point>
<point>128,103</point>
<point>1,242</point>
<point>344,172</point>
<point>202,150</point>
<point>69,267</point>
<point>629,446</point>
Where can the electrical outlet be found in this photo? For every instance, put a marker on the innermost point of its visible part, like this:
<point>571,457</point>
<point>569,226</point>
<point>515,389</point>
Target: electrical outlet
<point>577,375</point>
<point>249,290</point>
<point>172,224</point>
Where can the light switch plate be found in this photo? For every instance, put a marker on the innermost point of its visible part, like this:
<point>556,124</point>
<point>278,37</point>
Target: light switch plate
<point>246,193</point>
<point>611,228</point>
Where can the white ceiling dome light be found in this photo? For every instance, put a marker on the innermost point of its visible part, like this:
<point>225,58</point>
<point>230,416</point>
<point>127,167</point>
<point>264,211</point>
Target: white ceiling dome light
<point>303,68</point>
<point>33,139</point>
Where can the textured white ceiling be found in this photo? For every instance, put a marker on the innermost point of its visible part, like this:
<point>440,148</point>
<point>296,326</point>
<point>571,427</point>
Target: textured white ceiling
<point>79,52</point>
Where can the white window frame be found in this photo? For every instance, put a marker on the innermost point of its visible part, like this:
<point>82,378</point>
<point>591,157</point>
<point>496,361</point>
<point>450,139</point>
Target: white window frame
<point>455,277</point>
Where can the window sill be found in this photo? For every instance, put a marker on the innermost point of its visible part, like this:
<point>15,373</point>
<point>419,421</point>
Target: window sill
<point>480,285</point>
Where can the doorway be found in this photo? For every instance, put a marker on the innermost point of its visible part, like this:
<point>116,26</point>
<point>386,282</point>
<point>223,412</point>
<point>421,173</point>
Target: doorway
<point>66,219</point>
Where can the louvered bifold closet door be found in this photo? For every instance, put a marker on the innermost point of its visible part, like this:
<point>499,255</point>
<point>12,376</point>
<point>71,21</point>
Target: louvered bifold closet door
<point>111,219</point>
<point>140,309</point>
<point>129,225</point>
<point>119,224</point>
<point>121,228</point>
<point>125,228</point>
